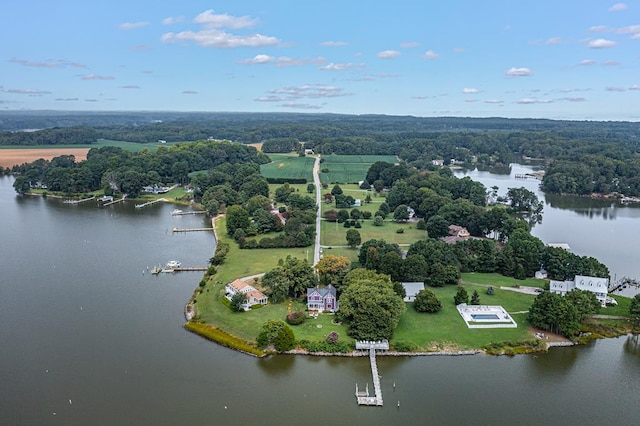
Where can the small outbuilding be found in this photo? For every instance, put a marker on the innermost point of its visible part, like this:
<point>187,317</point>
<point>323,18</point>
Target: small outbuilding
<point>411,290</point>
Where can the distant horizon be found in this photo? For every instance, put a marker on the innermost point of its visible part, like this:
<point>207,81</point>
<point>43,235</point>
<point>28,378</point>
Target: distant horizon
<point>558,60</point>
<point>54,111</point>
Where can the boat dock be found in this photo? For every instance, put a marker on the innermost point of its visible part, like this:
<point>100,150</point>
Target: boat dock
<point>158,270</point>
<point>191,229</point>
<point>181,213</point>
<point>79,201</point>
<point>537,175</point>
<point>363,398</point>
<point>150,203</point>
<point>111,200</point>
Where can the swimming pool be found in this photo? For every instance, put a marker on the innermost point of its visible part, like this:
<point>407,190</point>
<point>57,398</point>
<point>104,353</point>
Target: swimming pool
<point>485,316</point>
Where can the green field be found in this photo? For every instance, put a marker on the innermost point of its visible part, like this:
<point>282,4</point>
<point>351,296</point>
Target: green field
<point>288,167</point>
<point>127,146</point>
<point>349,168</point>
<point>334,234</point>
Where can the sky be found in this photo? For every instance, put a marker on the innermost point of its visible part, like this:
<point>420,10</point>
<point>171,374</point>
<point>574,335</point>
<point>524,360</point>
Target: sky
<point>561,59</point>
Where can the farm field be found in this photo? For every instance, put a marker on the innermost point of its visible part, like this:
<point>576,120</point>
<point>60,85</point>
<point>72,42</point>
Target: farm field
<point>288,167</point>
<point>335,234</point>
<point>349,168</point>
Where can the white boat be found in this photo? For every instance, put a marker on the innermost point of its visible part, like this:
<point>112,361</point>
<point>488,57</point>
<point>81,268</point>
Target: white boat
<point>172,264</point>
<point>176,212</point>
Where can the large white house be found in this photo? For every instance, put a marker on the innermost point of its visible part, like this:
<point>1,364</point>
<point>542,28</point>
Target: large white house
<point>596,285</point>
<point>254,296</point>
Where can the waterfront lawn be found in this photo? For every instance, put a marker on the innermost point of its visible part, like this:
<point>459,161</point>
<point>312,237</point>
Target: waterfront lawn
<point>334,234</point>
<point>621,309</point>
<point>288,166</point>
<point>447,330</point>
<point>247,325</point>
<point>497,280</point>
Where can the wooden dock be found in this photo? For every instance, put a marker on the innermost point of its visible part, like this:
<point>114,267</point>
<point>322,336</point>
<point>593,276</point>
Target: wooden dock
<point>191,229</point>
<point>157,270</point>
<point>363,398</point>
<point>119,200</point>
<point>79,201</point>
<point>150,203</point>
<point>188,213</point>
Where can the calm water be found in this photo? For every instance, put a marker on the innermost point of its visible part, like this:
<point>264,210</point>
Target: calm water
<point>80,322</point>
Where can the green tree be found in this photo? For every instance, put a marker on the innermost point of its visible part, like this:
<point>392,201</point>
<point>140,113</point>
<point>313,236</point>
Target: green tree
<point>378,221</point>
<point>461,296</point>
<point>401,213</point>
<point>634,307</point>
<point>331,269</point>
<point>336,190</point>
<point>310,188</point>
<point>426,301</point>
<point>353,238</point>
<point>237,217</point>
<point>284,340</point>
<point>237,300</point>
<point>554,313</point>
<point>371,308</point>
<point>475,298</point>
<point>437,227</point>
<point>585,302</point>
<point>269,331</point>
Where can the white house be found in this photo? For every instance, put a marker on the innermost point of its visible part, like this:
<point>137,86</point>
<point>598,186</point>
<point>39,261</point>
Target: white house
<point>254,296</point>
<point>599,286</point>
<point>411,289</point>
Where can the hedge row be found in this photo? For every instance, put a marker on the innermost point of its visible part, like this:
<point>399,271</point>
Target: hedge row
<point>222,338</point>
<point>286,180</point>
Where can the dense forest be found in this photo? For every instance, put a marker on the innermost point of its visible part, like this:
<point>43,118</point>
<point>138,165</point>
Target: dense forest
<point>580,157</point>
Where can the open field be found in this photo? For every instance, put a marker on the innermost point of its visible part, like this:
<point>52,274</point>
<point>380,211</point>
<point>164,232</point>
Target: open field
<point>335,234</point>
<point>288,167</point>
<point>10,157</point>
<point>349,168</point>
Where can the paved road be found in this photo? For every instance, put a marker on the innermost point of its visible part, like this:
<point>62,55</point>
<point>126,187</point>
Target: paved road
<point>316,181</point>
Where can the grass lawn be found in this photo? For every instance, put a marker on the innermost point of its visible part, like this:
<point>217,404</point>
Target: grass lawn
<point>447,330</point>
<point>334,234</point>
<point>349,168</point>
<point>288,166</point>
<point>247,325</point>
<point>497,280</point>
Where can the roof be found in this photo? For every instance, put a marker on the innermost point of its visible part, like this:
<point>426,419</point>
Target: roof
<point>594,284</point>
<point>412,288</point>
<point>561,285</point>
<point>238,284</point>
<point>322,291</point>
<point>256,295</point>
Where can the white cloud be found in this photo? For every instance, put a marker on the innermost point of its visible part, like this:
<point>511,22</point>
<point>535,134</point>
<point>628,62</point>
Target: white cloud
<point>409,44</point>
<point>618,7</point>
<point>333,43</point>
<point>614,89</point>
<point>189,92</point>
<point>601,43</point>
<point>388,54</point>
<point>132,25</point>
<point>518,72</point>
<point>130,86</point>
<point>430,54</point>
<point>58,63</point>
<point>635,87</point>
<point>636,36</point>
<point>295,105</point>
<point>212,20</point>
<point>573,99</point>
<point>221,39</point>
<point>470,91</point>
<point>30,92</point>
<point>493,101</point>
<point>629,29</point>
<point>554,40</point>
<point>212,35</point>
<point>599,29</point>
<point>336,67</point>
<point>307,91</point>
<point>172,20</point>
<point>65,99</point>
<point>587,62</point>
<point>471,100</point>
<point>96,77</point>
<point>527,101</point>
<point>610,63</point>
<point>258,59</point>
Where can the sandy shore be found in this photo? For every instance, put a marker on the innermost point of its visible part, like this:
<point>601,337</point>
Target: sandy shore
<point>15,156</point>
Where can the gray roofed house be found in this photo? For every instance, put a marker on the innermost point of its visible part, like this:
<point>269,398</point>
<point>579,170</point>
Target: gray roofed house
<point>412,289</point>
<point>599,286</point>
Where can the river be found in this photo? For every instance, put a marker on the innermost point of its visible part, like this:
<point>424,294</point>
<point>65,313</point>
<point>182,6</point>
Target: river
<point>88,338</point>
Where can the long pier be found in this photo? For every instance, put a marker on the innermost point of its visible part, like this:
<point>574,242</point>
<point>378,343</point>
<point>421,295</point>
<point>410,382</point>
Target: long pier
<point>191,229</point>
<point>79,201</point>
<point>118,200</point>
<point>174,213</point>
<point>363,398</point>
<point>150,203</point>
<point>156,269</point>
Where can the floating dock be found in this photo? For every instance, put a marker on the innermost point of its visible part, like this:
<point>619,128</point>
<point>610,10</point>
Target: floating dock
<point>112,201</point>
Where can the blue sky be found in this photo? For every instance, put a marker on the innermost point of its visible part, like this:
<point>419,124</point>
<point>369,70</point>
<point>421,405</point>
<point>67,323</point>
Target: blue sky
<point>562,59</point>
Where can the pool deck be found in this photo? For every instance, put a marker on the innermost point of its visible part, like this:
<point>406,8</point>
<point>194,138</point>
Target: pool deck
<point>494,316</point>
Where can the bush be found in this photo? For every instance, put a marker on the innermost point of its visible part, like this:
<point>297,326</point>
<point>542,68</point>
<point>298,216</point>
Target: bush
<point>226,302</point>
<point>332,338</point>
<point>284,340</point>
<point>257,306</point>
<point>296,318</point>
<point>338,347</point>
<point>357,225</point>
<point>400,231</point>
<point>404,346</point>
<point>222,338</point>
<point>490,291</point>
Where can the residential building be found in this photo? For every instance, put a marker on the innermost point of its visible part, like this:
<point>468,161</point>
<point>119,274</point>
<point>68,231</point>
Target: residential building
<point>322,299</point>
<point>599,286</point>
<point>254,296</point>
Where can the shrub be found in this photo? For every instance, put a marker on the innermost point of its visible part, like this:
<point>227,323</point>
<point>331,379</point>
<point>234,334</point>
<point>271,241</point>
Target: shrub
<point>357,225</point>
<point>461,296</point>
<point>222,338</point>
<point>284,340</point>
<point>490,291</point>
<point>404,346</point>
<point>202,283</point>
<point>295,318</point>
<point>422,225</point>
<point>257,306</point>
<point>400,231</point>
<point>282,209</point>
<point>332,338</point>
<point>226,302</point>
<point>366,214</point>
